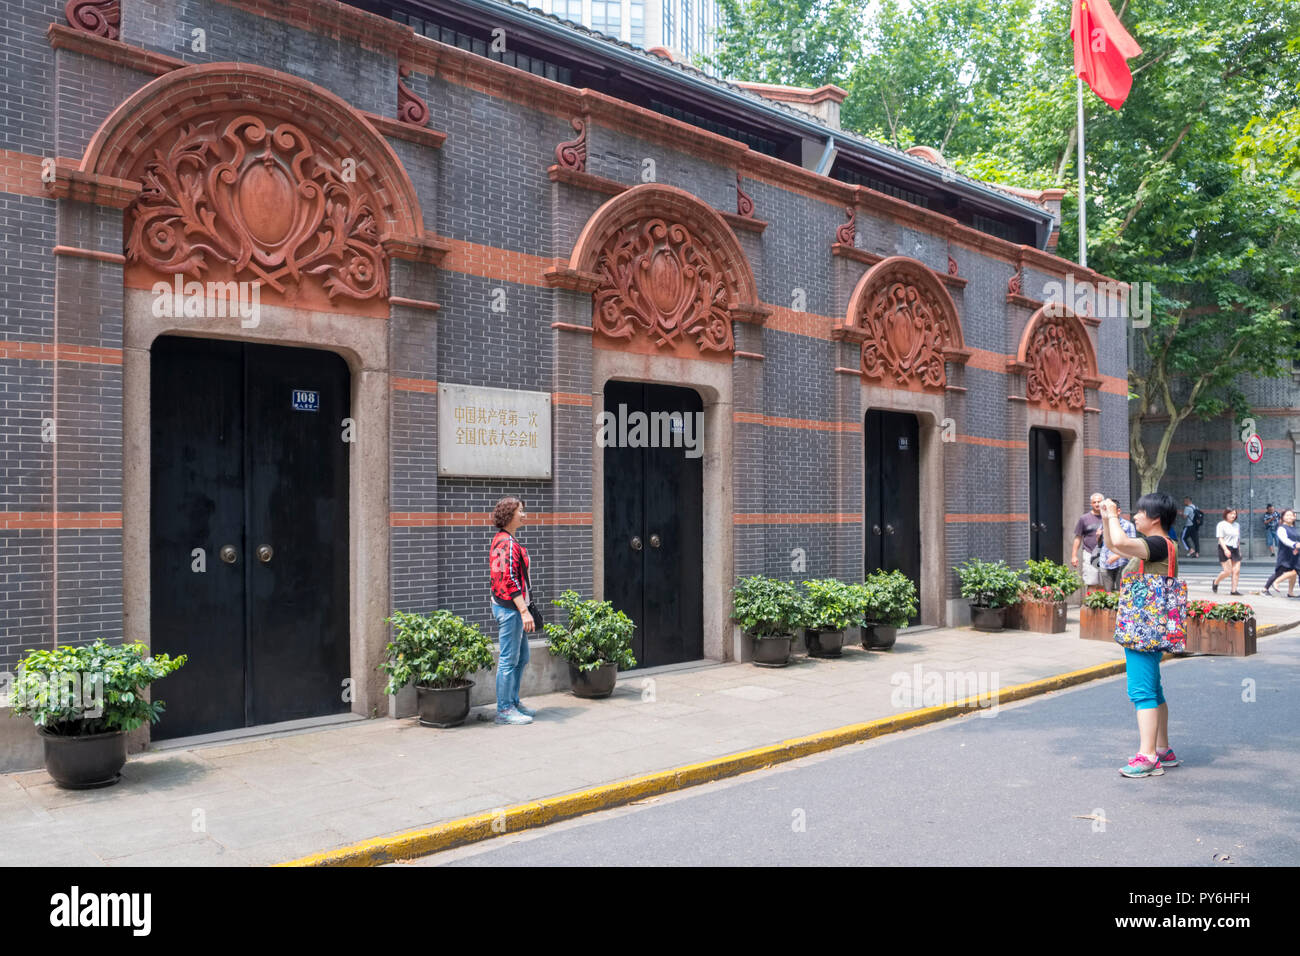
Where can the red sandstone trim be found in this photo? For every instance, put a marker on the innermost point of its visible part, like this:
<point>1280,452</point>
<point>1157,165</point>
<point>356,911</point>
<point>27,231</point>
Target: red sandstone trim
<point>570,327</point>
<point>810,424</point>
<point>64,37</point>
<point>20,174</point>
<point>983,518</point>
<point>585,180</point>
<point>749,355</point>
<point>45,352</point>
<point>71,182</point>
<point>414,303</point>
<point>424,135</point>
<point>747,223</point>
<point>570,398</point>
<point>413,385</point>
<point>1105,453</point>
<point>27,520</point>
<point>845,251</point>
<point>113,257</point>
<point>797,518</point>
<point>475,519</point>
<point>992,442</point>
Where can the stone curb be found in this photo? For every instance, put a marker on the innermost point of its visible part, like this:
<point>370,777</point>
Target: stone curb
<point>538,813</point>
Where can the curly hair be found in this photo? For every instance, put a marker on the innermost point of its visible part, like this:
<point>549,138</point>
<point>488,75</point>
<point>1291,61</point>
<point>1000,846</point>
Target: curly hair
<point>505,510</point>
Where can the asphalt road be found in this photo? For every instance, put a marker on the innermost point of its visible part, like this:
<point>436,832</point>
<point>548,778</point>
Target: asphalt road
<point>1011,789</point>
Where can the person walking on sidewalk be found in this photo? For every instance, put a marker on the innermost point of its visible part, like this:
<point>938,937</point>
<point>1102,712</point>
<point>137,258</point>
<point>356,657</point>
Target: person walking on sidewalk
<point>1272,519</point>
<point>1112,564</point>
<point>1191,536</point>
<point>1288,555</point>
<point>1228,533</point>
<point>508,560</point>
<point>1087,534</point>
<point>1152,612</point>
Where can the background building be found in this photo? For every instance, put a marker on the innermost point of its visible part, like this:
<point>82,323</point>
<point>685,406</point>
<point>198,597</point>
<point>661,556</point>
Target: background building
<point>686,27</point>
<point>464,253</point>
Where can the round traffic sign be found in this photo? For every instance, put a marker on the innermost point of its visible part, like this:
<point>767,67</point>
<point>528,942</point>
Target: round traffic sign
<point>1254,448</point>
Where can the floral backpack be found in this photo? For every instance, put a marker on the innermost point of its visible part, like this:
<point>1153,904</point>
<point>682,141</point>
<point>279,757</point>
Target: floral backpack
<point>1153,609</point>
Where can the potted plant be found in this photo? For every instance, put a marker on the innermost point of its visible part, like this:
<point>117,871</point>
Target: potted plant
<point>828,607</point>
<point>1097,616</point>
<point>991,587</point>
<point>892,600</point>
<point>596,641</point>
<point>84,700</point>
<point>767,610</point>
<point>1043,596</point>
<point>436,652</point>
<point>1227,628</point>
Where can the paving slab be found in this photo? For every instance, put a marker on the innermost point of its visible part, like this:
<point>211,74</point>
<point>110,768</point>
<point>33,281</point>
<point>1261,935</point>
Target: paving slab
<point>268,799</point>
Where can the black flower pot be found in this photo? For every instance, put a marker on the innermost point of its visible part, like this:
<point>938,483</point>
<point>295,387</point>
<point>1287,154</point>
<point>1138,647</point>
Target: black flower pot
<point>83,763</point>
<point>880,637</point>
<point>824,643</point>
<point>594,684</point>
<point>987,618</point>
<point>444,706</point>
<point>772,651</point>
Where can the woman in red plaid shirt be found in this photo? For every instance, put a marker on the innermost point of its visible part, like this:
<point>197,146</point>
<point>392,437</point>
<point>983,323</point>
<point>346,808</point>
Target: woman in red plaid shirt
<point>508,562</point>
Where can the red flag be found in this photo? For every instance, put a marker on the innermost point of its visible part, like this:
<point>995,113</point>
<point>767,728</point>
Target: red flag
<point>1101,48</point>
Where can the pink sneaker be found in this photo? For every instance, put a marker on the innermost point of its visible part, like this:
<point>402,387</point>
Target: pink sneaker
<point>1140,766</point>
<point>1167,758</point>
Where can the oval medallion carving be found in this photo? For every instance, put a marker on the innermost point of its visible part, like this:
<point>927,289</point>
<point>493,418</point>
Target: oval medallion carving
<point>1058,363</point>
<point>907,329</point>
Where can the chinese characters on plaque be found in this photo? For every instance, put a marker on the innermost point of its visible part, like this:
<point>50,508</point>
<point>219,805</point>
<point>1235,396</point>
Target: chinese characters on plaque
<point>493,432</point>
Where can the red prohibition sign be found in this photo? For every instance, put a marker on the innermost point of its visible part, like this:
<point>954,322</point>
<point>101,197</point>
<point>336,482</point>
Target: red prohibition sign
<point>1254,448</point>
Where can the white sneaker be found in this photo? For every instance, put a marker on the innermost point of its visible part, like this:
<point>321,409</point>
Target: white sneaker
<point>512,716</point>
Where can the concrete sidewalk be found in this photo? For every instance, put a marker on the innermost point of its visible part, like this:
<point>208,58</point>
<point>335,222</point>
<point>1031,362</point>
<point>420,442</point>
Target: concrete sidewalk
<point>275,798</point>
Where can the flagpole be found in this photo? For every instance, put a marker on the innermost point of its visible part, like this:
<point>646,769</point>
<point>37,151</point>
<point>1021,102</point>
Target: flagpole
<point>1083,206</point>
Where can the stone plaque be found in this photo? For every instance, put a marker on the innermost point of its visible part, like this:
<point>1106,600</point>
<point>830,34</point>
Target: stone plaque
<point>493,432</point>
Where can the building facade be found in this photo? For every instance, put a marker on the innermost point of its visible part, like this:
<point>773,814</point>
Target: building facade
<point>289,282</point>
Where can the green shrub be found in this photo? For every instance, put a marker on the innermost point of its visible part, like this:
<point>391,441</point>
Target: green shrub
<point>989,583</point>
<point>1101,600</point>
<point>1050,581</point>
<point>1230,611</point>
<point>76,691</point>
<point>595,634</point>
<point>891,598</point>
<point>434,650</point>
<point>766,607</point>
<point>832,605</point>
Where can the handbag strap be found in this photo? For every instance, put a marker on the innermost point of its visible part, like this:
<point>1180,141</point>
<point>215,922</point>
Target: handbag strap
<point>1171,557</point>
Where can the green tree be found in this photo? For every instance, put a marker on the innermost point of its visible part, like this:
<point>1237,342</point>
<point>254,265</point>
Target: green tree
<point>788,42</point>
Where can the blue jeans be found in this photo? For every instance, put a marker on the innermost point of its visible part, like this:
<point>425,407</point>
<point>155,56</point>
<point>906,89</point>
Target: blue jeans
<point>1272,537</point>
<point>514,654</point>
<point>1143,668</point>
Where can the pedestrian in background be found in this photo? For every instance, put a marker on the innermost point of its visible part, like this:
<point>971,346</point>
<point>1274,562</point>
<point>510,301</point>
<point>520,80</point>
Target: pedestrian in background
<point>1228,533</point>
<point>1151,620</point>
<point>1271,520</point>
<point>1087,534</point>
<point>1112,564</point>
<point>1191,537</point>
<point>508,560</point>
<point>1288,555</point>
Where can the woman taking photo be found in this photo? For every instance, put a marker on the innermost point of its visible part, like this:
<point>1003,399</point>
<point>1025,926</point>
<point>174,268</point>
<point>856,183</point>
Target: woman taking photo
<point>1288,555</point>
<point>1150,621</point>
<point>508,560</point>
<point>1229,534</point>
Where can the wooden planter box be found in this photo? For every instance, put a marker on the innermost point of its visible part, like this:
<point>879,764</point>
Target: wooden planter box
<point>1097,625</point>
<point>1042,617</point>
<point>1227,638</point>
<point>1011,617</point>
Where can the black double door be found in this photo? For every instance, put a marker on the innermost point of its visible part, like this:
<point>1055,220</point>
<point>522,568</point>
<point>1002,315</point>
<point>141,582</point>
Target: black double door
<point>654,522</point>
<point>892,505</point>
<point>1046,528</point>
<point>249,533</point>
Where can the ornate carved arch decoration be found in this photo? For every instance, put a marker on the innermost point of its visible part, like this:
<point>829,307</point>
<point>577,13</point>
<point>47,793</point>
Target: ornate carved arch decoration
<point>247,174</point>
<point>667,273</point>
<point>907,325</point>
<point>1057,358</point>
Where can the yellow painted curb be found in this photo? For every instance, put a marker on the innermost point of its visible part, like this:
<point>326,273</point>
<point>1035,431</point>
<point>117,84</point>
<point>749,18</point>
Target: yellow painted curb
<point>525,816</point>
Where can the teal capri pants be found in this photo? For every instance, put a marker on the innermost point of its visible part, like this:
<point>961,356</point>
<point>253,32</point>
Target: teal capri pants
<point>1143,669</point>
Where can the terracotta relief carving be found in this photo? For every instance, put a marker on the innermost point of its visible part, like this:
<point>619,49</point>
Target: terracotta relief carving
<point>262,203</point>
<point>100,17</point>
<point>907,331</point>
<point>1058,363</point>
<point>744,202</point>
<point>1013,284</point>
<point>846,233</point>
<point>660,282</point>
<point>572,154</point>
<point>952,266</point>
<point>410,108</point>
